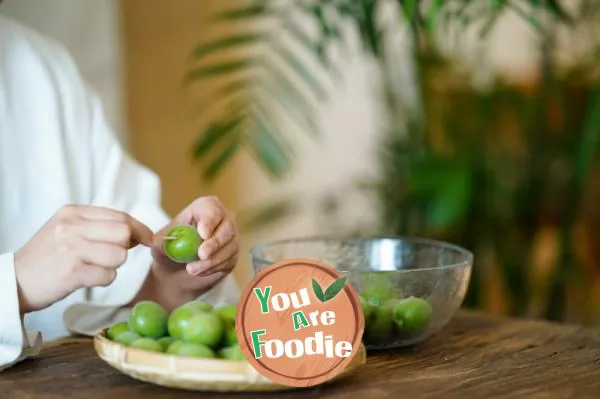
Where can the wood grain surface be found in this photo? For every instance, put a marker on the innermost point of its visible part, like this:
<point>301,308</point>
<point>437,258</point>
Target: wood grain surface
<point>476,356</point>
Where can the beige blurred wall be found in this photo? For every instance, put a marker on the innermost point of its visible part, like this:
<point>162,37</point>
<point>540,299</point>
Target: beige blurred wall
<point>89,29</point>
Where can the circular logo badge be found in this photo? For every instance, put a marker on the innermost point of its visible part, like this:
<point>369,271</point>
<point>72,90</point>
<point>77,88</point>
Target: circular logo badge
<point>299,323</point>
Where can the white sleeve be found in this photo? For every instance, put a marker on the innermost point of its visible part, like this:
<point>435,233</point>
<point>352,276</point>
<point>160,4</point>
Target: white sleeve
<point>15,343</point>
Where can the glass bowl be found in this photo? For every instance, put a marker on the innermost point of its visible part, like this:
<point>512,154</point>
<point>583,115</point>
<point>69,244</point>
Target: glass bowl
<point>409,287</point>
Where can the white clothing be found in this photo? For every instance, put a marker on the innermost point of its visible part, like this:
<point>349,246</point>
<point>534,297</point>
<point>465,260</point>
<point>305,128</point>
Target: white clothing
<point>56,149</point>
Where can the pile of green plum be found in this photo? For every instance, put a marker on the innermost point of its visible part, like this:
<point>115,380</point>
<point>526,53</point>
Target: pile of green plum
<point>390,317</point>
<point>195,329</point>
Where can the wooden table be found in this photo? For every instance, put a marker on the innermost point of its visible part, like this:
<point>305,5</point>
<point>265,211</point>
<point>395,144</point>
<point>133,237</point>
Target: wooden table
<point>476,356</point>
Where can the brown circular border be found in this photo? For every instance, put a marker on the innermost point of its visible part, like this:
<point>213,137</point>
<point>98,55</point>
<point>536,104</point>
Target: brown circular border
<point>273,374</point>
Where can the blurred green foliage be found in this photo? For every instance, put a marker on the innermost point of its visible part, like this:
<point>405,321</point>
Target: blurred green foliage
<point>269,84</point>
<point>486,169</point>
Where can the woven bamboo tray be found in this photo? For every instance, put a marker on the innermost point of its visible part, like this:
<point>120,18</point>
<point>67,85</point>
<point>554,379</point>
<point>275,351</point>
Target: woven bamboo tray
<point>192,373</point>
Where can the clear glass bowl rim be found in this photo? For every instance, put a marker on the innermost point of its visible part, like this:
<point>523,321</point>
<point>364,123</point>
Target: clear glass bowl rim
<point>467,262</point>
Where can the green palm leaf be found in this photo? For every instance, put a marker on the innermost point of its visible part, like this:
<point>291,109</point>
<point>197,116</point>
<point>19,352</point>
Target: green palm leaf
<point>280,81</point>
<point>269,149</point>
<point>221,161</point>
<point>276,77</point>
<point>269,96</point>
<point>214,134</point>
<point>218,69</point>
<point>243,13</point>
<point>300,69</point>
<point>205,49</point>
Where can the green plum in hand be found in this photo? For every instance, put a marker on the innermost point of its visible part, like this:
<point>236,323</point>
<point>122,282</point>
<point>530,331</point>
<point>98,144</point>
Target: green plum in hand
<point>182,244</point>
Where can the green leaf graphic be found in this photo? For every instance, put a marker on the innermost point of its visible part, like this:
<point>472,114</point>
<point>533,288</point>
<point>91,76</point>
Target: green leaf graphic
<point>318,290</point>
<point>334,289</point>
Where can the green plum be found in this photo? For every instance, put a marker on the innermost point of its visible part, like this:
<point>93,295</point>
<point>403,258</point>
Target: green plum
<point>148,319</point>
<point>174,346</point>
<point>198,306</point>
<point>232,352</point>
<point>147,344</point>
<point>182,243</point>
<point>367,309</point>
<point>204,328</point>
<point>179,320</point>
<point>190,349</point>
<point>380,326</point>
<point>377,289</point>
<point>116,330</point>
<point>412,315</point>
<point>230,337</point>
<point>165,342</point>
<point>126,337</point>
<point>227,313</point>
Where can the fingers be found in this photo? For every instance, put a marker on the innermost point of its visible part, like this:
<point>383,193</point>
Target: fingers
<point>94,276</point>
<point>106,231</point>
<point>92,212</point>
<point>215,225</point>
<point>208,212</point>
<point>109,225</point>
<point>224,234</point>
<point>103,255</point>
<point>140,234</point>
<point>223,260</point>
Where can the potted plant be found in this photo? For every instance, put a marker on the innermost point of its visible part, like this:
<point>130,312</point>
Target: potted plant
<point>493,169</point>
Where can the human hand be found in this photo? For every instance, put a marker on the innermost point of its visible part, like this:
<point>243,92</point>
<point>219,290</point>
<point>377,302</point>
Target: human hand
<point>217,256</point>
<point>80,246</point>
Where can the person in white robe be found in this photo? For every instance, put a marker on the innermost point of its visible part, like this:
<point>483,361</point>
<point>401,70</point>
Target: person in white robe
<point>81,223</point>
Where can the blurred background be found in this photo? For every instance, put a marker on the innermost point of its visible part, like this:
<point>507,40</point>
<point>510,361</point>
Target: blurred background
<point>471,122</point>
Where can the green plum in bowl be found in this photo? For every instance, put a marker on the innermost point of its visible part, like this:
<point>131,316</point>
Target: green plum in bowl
<point>409,288</point>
